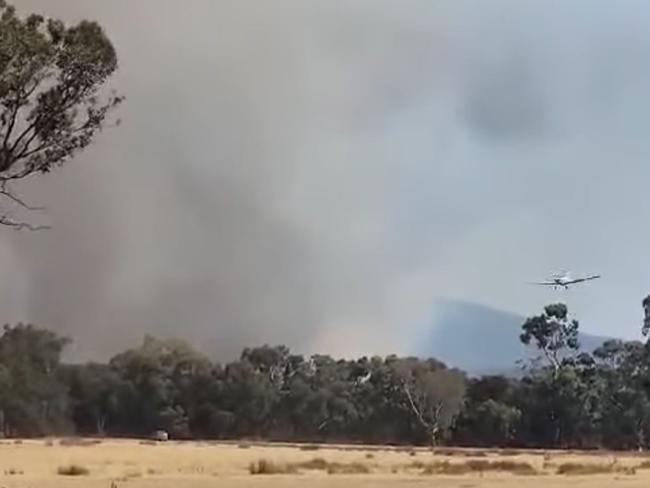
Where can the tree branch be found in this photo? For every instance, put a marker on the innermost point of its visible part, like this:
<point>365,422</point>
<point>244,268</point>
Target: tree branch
<point>17,225</point>
<point>415,409</point>
<point>10,129</point>
<point>5,191</point>
<point>22,95</point>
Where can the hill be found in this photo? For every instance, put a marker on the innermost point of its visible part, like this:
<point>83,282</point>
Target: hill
<point>480,339</point>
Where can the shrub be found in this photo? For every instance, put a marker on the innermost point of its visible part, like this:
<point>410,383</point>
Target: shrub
<point>265,466</point>
<point>79,442</point>
<point>72,470</point>
<point>591,468</point>
<point>315,464</point>
<point>478,466</point>
<point>310,447</point>
<point>348,468</point>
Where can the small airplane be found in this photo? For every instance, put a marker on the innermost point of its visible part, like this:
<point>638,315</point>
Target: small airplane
<point>564,280</point>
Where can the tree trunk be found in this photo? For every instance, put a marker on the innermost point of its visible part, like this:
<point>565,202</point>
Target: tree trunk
<point>640,436</point>
<point>101,425</point>
<point>434,436</point>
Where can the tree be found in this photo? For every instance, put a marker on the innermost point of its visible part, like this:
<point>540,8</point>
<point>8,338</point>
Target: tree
<point>553,333</point>
<point>94,391</point>
<point>433,393</point>
<point>489,415</point>
<point>32,399</point>
<point>159,376</point>
<point>625,402</point>
<point>51,107</point>
<point>560,399</point>
<point>646,316</point>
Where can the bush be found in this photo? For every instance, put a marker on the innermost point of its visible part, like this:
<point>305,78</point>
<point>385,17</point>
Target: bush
<point>477,466</point>
<point>315,464</point>
<point>265,466</point>
<point>72,441</point>
<point>590,468</point>
<point>310,447</point>
<point>348,468</point>
<point>72,470</point>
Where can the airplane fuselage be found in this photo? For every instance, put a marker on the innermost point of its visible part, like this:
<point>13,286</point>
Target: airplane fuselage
<point>561,281</point>
<point>564,280</point>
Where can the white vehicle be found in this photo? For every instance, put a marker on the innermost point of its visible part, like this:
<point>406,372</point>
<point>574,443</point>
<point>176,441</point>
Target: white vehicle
<point>564,280</point>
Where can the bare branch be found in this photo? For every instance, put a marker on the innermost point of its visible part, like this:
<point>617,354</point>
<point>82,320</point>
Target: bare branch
<point>17,225</point>
<point>415,409</point>
<point>6,191</point>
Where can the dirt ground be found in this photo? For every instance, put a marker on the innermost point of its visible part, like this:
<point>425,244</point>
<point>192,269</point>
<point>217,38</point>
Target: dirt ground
<point>137,464</point>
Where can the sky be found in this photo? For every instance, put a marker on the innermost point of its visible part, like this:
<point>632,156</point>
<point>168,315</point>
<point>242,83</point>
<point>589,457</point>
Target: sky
<point>321,173</point>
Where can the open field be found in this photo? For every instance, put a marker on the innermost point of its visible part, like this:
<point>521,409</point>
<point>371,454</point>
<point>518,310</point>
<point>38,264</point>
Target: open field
<point>59,463</point>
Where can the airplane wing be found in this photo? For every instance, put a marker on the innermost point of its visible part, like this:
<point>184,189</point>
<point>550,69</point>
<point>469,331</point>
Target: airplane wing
<point>543,283</point>
<point>580,280</point>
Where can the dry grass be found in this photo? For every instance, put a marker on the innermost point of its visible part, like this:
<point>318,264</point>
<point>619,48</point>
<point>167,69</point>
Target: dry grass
<point>266,466</point>
<point>509,452</point>
<point>582,469</point>
<point>310,447</point>
<point>132,473</point>
<point>207,464</point>
<point>73,441</point>
<point>73,470</point>
<point>313,464</point>
<point>476,466</point>
<point>348,468</point>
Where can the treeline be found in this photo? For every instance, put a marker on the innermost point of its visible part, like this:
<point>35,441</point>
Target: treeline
<point>567,398</point>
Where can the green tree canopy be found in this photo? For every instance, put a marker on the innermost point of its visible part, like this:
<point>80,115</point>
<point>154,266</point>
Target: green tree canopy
<point>51,98</point>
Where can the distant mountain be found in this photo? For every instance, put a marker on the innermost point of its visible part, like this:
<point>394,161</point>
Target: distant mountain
<point>480,339</point>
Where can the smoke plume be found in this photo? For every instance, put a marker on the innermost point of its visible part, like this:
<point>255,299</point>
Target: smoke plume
<point>317,173</point>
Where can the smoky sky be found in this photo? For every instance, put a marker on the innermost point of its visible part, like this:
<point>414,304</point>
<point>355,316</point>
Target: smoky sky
<point>319,173</point>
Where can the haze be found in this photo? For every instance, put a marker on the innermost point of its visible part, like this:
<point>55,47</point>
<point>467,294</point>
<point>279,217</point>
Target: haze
<point>319,173</point>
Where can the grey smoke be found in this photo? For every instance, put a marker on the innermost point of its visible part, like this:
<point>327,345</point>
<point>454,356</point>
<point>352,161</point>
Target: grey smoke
<point>316,173</point>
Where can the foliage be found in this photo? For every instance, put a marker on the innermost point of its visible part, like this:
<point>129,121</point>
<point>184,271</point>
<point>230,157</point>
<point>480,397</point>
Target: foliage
<point>73,470</point>
<point>552,332</point>
<point>571,399</point>
<point>51,99</point>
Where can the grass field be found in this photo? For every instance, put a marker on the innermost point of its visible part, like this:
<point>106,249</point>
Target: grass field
<point>60,463</point>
